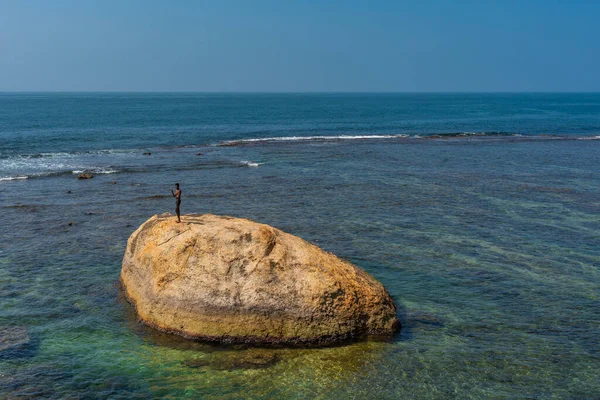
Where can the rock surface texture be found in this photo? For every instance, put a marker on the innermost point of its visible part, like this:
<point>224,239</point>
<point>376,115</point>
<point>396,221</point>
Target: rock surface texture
<point>233,280</point>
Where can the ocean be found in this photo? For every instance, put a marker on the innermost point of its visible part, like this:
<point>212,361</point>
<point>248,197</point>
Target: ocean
<point>480,214</point>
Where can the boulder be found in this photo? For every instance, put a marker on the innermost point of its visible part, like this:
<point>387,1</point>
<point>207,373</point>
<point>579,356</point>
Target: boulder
<point>233,280</point>
<point>86,175</point>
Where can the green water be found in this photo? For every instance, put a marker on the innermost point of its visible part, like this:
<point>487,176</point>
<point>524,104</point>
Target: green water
<point>490,250</point>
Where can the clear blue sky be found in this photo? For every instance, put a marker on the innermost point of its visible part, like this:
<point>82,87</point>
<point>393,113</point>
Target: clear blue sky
<point>294,45</point>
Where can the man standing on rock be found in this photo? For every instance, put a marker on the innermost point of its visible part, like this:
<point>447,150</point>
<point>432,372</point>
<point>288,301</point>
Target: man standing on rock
<point>177,195</point>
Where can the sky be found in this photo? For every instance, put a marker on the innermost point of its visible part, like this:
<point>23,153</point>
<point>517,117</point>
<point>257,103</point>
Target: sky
<point>300,46</point>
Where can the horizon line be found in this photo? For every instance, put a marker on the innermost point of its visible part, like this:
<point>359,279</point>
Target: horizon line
<point>290,92</point>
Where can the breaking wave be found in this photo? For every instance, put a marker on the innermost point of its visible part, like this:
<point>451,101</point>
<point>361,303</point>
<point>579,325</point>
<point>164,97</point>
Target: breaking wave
<point>48,174</point>
<point>70,154</point>
<point>250,163</point>
<point>335,138</point>
<point>13,178</point>
<point>96,171</point>
<point>308,139</point>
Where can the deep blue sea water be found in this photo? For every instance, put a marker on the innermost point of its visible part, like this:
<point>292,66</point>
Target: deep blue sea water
<point>480,213</point>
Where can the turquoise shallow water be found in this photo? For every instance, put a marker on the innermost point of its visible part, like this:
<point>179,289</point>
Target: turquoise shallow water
<point>488,244</point>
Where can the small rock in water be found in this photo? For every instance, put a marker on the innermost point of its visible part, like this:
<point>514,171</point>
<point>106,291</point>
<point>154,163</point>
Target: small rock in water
<point>255,361</point>
<point>68,191</point>
<point>114,182</point>
<point>12,337</point>
<point>86,175</point>
<point>197,363</point>
<point>426,319</point>
<point>70,224</point>
<point>250,359</point>
<point>199,154</point>
<point>147,153</point>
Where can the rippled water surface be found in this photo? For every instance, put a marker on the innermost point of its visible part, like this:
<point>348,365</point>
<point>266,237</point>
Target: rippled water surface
<point>488,243</point>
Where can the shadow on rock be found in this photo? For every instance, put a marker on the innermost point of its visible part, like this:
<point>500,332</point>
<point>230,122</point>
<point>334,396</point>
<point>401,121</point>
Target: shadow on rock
<point>159,338</point>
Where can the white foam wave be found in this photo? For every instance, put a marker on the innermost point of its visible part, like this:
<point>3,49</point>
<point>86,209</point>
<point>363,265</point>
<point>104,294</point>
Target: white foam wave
<point>96,171</point>
<point>74,154</point>
<point>590,138</point>
<point>250,163</point>
<point>311,138</point>
<point>13,178</point>
<point>50,155</point>
<point>55,164</point>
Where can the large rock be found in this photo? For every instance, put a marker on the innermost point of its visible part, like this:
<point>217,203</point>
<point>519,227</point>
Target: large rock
<point>233,280</point>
